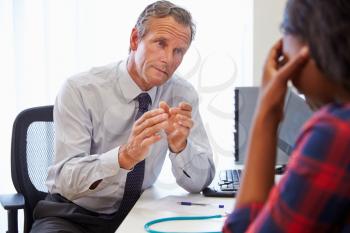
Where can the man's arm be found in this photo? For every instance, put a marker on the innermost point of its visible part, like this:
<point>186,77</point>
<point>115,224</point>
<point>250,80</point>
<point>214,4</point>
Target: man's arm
<point>190,151</point>
<point>76,172</point>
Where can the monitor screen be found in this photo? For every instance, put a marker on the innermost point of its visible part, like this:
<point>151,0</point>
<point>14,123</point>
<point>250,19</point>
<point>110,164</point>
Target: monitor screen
<point>297,112</point>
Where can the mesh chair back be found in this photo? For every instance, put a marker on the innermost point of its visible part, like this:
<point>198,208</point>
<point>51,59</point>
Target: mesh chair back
<point>32,152</point>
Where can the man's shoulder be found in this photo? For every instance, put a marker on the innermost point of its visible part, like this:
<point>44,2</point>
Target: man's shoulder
<point>95,75</point>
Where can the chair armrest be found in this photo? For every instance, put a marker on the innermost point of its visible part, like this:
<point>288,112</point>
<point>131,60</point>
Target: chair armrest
<point>11,203</point>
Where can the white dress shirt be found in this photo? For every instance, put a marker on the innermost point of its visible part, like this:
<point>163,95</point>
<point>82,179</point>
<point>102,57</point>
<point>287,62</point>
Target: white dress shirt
<point>93,115</point>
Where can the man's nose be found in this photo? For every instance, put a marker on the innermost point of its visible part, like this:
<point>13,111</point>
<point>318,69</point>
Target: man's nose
<point>167,56</point>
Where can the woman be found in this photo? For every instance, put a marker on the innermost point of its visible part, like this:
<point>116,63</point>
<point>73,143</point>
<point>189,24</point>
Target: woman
<point>314,194</point>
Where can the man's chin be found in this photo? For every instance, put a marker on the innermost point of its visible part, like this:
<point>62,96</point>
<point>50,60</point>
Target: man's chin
<point>158,81</point>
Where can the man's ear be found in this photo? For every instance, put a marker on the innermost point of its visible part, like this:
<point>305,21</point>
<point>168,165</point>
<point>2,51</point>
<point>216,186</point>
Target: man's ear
<point>134,39</point>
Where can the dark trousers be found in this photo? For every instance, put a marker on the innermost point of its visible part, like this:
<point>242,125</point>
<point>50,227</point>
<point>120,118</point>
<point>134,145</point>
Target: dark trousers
<point>57,214</point>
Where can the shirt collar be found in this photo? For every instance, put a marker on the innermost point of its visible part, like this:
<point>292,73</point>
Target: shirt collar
<point>129,88</point>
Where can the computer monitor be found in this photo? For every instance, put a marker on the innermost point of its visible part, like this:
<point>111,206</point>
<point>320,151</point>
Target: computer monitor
<point>297,112</point>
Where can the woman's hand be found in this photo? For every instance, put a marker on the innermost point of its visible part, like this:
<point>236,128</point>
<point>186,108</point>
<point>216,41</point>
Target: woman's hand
<point>278,70</point>
<point>259,170</point>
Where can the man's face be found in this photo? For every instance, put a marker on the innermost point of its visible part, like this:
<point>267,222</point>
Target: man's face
<point>158,54</point>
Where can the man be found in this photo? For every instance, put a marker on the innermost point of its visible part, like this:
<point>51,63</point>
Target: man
<point>107,148</point>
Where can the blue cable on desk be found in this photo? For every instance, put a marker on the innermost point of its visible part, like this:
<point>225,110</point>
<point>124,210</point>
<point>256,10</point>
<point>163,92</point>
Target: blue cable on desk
<point>180,218</point>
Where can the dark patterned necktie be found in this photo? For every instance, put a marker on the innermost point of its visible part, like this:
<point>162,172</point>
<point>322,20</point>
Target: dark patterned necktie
<point>134,178</point>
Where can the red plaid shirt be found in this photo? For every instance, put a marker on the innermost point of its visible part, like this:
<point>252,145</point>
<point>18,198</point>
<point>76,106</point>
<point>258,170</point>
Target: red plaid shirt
<point>314,194</point>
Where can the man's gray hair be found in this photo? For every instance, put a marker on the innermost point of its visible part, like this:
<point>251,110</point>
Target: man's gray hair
<point>161,9</point>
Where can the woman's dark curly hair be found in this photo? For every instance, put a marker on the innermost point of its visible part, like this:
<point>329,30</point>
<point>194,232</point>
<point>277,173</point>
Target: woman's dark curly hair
<point>324,25</point>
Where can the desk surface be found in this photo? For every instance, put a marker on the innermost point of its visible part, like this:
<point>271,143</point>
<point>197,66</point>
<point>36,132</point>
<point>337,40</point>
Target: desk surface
<point>161,201</point>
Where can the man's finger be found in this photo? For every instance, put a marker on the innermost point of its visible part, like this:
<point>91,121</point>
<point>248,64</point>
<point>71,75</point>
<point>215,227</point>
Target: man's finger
<point>187,111</point>
<point>150,122</point>
<point>185,106</point>
<point>151,140</point>
<point>164,106</point>
<point>182,129</point>
<point>149,114</point>
<point>187,123</point>
<point>175,111</point>
<point>147,132</point>
<point>182,117</point>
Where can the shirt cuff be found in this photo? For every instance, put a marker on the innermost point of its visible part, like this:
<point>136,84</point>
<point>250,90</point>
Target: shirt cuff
<point>111,164</point>
<point>182,158</point>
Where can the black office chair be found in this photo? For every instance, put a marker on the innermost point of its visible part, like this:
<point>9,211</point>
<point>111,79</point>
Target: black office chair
<point>32,152</point>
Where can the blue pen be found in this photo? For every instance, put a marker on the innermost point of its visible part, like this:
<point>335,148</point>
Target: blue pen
<point>199,204</point>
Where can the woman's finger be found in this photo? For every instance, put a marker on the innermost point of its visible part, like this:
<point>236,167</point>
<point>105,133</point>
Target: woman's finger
<point>294,65</point>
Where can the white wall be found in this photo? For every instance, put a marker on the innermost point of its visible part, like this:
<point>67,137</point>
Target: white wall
<point>267,19</point>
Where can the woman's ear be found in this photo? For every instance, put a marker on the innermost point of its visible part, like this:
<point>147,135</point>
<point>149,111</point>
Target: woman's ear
<point>134,39</point>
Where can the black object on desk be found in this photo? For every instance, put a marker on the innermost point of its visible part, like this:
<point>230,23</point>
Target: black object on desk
<point>229,181</point>
<point>227,184</point>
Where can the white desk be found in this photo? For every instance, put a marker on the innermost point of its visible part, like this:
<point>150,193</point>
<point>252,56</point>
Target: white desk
<point>161,201</point>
